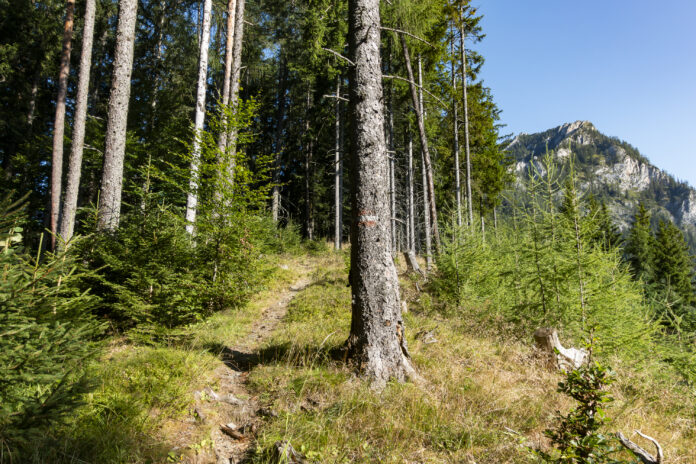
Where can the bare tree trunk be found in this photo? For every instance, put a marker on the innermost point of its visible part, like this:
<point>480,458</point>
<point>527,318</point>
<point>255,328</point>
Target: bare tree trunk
<point>462,49</point>
<point>280,117</point>
<point>59,124</point>
<point>235,83</point>
<point>309,171</point>
<point>424,144</point>
<point>427,198</point>
<point>72,188</point>
<point>455,123</point>
<point>338,173</point>
<point>392,163</point>
<point>411,203</point>
<point>192,198</point>
<point>115,145</point>
<point>377,343</point>
<point>229,49</point>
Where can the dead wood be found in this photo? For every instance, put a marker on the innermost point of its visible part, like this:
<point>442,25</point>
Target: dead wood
<point>640,453</point>
<point>547,342</point>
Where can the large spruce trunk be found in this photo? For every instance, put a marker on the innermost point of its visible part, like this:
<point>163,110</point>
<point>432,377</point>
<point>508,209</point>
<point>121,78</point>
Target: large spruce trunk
<point>115,145</point>
<point>59,123</point>
<point>377,343</point>
<point>67,223</point>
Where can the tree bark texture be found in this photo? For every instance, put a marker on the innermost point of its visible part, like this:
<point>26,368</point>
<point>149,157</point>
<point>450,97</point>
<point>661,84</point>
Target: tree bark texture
<point>377,343</point>
<point>67,223</point>
<point>115,145</point>
<point>432,210</point>
<point>192,198</point>
<point>59,122</point>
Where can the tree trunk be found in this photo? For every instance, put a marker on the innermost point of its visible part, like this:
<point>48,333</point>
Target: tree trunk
<point>309,171</point>
<point>72,188</point>
<point>427,198</point>
<point>377,343</point>
<point>424,144</point>
<point>235,83</point>
<point>392,163</point>
<point>338,173</point>
<point>411,204</point>
<point>115,145</point>
<point>59,124</point>
<point>278,148</point>
<point>455,148</point>
<point>229,49</point>
<point>192,198</point>
<point>462,49</point>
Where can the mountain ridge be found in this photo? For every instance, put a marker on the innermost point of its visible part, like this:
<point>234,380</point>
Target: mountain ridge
<point>613,170</point>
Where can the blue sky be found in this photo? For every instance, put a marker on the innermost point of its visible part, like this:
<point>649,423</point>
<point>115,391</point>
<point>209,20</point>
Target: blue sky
<point>629,66</point>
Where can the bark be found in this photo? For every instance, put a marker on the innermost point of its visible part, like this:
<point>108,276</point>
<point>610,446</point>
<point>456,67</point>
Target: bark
<point>235,83</point>
<point>59,124</point>
<point>229,48</point>
<point>338,173</point>
<point>424,144</point>
<point>192,198</point>
<point>392,159</point>
<point>280,118</point>
<point>462,49</point>
<point>72,188</point>
<point>644,456</point>
<point>115,144</point>
<point>376,343</point>
<point>547,341</point>
<point>427,198</point>
<point>455,123</point>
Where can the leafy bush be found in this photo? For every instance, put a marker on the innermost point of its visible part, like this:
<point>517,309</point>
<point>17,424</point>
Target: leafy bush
<point>46,334</point>
<point>578,439</point>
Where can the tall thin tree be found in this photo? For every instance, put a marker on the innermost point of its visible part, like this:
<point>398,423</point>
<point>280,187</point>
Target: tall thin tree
<point>455,147</point>
<point>338,172</point>
<point>462,49</point>
<point>376,343</point>
<point>116,125</point>
<point>226,86</point>
<point>59,123</point>
<point>235,82</point>
<point>192,198</point>
<point>424,142</point>
<point>67,223</point>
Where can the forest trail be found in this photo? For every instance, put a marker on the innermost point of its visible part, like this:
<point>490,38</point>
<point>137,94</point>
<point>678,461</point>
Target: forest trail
<point>235,410</point>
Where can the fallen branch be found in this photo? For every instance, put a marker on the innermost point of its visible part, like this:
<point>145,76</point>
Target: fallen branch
<point>640,453</point>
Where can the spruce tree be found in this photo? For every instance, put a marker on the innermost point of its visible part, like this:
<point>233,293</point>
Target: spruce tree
<point>640,245</point>
<point>673,271</point>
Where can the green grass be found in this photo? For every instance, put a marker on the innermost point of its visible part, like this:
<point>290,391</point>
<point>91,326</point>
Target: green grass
<point>140,410</point>
<point>485,400</point>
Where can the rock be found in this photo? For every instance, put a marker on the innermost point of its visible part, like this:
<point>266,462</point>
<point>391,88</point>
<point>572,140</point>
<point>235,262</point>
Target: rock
<point>283,452</point>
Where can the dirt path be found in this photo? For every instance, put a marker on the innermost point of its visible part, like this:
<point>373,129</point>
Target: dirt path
<point>235,408</point>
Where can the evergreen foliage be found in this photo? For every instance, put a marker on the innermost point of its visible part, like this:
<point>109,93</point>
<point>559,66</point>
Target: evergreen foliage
<point>46,335</point>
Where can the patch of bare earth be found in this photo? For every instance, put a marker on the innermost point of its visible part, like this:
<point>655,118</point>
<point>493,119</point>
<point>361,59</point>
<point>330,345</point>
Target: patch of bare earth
<point>230,409</point>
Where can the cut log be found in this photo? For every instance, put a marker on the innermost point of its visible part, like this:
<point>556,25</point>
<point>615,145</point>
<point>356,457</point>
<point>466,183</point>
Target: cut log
<point>547,342</point>
<point>640,453</point>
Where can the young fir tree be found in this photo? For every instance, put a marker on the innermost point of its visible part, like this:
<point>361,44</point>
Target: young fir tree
<point>640,245</point>
<point>674,272</point>
<point>606,234</point>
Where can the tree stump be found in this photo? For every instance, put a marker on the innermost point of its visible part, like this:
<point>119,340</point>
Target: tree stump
<point>547,341</point>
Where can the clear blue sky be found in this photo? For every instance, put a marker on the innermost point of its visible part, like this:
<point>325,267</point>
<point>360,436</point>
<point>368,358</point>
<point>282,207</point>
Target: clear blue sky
<point>629,66</point>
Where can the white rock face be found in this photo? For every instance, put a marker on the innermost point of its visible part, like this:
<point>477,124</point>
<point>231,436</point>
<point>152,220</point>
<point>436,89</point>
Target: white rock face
<point>628,173</point>
<point>688,209</point>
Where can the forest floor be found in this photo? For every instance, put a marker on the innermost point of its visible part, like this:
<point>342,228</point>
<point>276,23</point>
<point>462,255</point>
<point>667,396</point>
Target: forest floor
<point>268,372</point>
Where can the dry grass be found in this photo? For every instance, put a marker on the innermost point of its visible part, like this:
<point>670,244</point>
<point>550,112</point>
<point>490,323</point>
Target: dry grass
<point>485,400</point>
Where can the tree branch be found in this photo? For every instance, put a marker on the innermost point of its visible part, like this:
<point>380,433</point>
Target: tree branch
<point>338,55</point>
<point>399,31</point>
<point>640,453</point>
<point>389,76</point>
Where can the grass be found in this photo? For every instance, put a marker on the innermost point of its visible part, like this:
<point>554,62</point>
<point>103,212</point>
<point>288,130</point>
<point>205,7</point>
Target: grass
<point>485,400</point>
<point>140,410</point>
